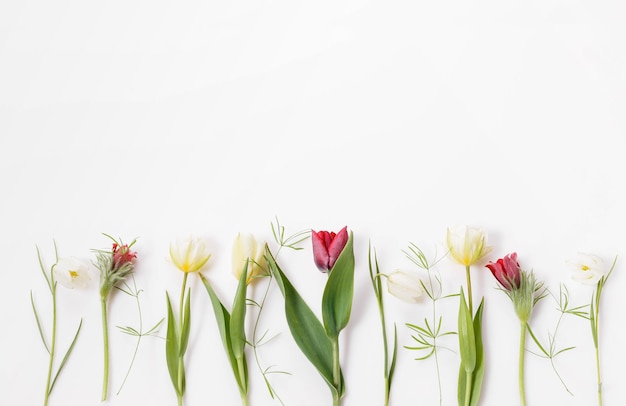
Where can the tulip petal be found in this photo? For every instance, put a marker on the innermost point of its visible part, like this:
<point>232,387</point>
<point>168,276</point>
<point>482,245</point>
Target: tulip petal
<point>320,252</point>
<point>336,246</point>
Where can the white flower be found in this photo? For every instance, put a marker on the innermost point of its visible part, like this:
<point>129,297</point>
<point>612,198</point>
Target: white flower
<point>71,273</point>
<point>467,244</point>
<point>405,285</point>
<point>246,249</point>
<point>189,254</point>
<point>587,269</point>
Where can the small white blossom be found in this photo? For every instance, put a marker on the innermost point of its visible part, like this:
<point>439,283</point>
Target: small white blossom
<point>405,285</point>
<point>587,269</point>
<point>71,273</point>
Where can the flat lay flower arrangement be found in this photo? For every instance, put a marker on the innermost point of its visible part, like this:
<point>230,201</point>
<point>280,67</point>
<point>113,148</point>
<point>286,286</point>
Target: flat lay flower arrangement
<point>256,262</point>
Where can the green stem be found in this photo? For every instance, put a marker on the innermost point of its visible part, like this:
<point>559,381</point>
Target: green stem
<point>522,351</point>
<point>52,344</point>
<point>469,289</point>
<point>381,310</point>
<point>598,374</point>
<point>468,388</point>
<point>105,337</point>
<point>336,372</point>
<point>181,364</point>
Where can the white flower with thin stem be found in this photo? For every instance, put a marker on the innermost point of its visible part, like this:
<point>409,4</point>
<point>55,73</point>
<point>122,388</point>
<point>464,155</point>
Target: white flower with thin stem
<point>405,285</point>
<point>587,269</point>
<point>71,273</point>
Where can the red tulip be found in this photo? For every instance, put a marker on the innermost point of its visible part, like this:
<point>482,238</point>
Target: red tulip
<point>507,271</point>
<point>327,246</point>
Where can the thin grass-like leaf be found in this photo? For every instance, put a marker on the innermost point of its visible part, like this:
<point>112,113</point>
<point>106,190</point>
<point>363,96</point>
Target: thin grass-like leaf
<point>38,320</point>
<point>66,356</point>
<point>172,347</point>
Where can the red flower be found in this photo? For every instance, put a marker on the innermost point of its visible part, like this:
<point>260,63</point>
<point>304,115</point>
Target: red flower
<point>122,255</point>
<point>507,271</point>
<point>327,246</point>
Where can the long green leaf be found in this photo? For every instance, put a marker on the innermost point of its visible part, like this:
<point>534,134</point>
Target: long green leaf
<point>479,370</point>
<point>238,333</point>
<point>306,329</point>
<point>337,298</point>
<point>171,346</point>
<point>186,325</point>
<point>41,334</point>
<point>67,355</point>
<point>394,356</point>
<point>467,340</point>
<point>223,318</point>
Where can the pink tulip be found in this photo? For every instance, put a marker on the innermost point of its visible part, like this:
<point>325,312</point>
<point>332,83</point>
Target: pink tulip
<point>507,271</point>
<point>327,246</point>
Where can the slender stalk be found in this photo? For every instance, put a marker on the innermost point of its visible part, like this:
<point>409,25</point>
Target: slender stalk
<point>469,289</point>
<point>598,374</point>
<point>132,361</point>
<point>181,364</point>
<point>336,372</point>
<point>105,337</point>
<point>53,342</point>
<point>432,290</point>
<point>522,352</point>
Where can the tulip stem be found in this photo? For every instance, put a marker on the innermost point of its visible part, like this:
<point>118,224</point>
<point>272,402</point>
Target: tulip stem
<point>469,289</point>
<point>468,388</point>
<point>522,351</point>
<point>105,337</point>
<point>336,372</point>
<point>598,374</point>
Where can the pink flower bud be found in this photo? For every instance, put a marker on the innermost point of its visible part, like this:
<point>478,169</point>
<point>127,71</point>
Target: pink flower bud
<point>327,246</point>
<point>122,255</point>
<point>507,271</point>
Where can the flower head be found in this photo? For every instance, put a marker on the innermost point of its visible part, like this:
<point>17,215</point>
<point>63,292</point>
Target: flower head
<point>587,269</point>
<point>71,273</point>
<point>507,271</point>
<point>122,255</point>
<point>189,254</point>
<point>247,250</point>
<point>406,286</point>
<point>327,246</point>
<point>467,244</point>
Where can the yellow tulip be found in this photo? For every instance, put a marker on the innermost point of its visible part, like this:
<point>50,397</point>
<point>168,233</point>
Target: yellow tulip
<point>190,254</point>
<point>247,250</point>
<point>467,244</point>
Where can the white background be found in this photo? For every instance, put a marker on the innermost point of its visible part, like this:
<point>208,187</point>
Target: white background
<point>399,119</point>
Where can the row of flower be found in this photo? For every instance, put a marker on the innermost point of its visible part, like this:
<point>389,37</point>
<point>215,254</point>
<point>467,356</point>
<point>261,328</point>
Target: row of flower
<point>318,339</point>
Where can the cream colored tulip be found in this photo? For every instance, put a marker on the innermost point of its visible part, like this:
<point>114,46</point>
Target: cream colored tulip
<point>246,249</point>
<point>467,244</point>
<point>189,254</point>
<point>405,285</point>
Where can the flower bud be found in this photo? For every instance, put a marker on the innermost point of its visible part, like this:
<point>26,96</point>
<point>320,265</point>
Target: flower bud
<point>247,250</point>
<point>327,247</point>
<point>404,285</point>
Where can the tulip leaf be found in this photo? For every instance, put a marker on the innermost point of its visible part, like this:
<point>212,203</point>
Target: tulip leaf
<point>171,347</point>
<point>467,340</point>
<point>337,298</point>
<point>479,370</point>
<point>306,329</point>
<point>477,373</point>
<point>186,325</point>
<point>224,324</point>
<point>237,331</point>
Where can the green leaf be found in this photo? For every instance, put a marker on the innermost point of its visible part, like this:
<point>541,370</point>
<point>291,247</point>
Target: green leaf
<point>223,318</point>
<point>41,334</point>
<point>172,347</point>
<point>186,325</point>
<point>479,370</point>
<point>337,298</point>
<point>394,356</point>
<point>238,333</point>
<point>67,355</point>
<point>467,340</point>
<point>305,327</point>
